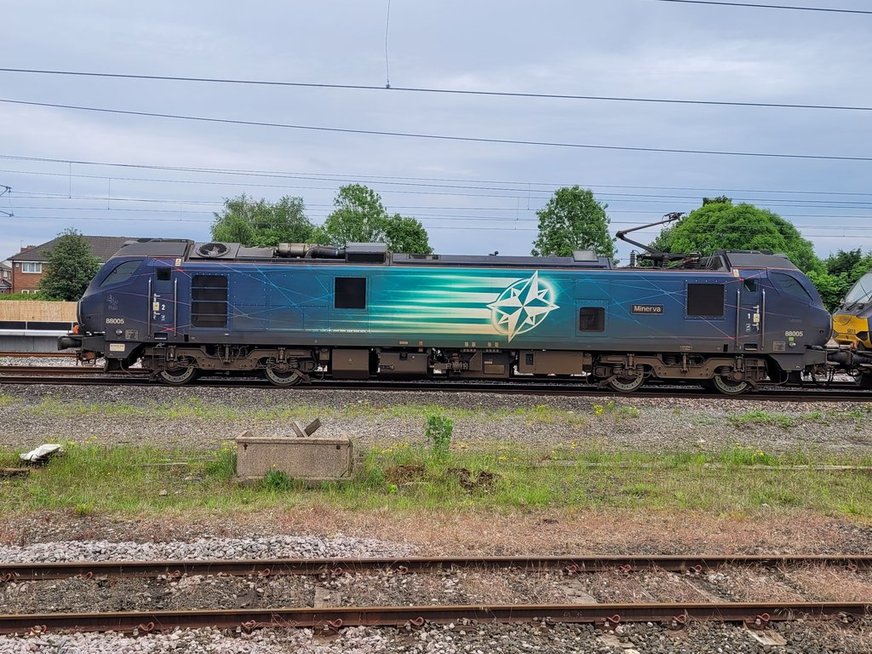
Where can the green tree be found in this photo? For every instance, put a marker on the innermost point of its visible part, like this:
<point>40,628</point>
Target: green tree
<point>264,224</point>
<point>573,220</point>
<point>721,225</point>
<point>841,271</point>
<point>404,234</point>
<point>360,217</point>
<point>70,269</point>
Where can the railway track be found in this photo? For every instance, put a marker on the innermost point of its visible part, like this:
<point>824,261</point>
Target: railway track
<point>333,619</point>
<point>673,614</point>
<point>69,375</point>
<point>333,567</point>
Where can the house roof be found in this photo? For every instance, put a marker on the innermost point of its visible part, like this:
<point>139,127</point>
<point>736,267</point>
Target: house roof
<point>102,247</point>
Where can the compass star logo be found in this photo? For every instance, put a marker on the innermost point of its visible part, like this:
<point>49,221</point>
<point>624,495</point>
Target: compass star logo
<point>522,306</point>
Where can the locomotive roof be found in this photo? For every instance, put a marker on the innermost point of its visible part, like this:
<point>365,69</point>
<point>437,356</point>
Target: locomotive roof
<point>755,259</point>
<point>154,247</point>
<point>583,259</point>
<point>375,253</point>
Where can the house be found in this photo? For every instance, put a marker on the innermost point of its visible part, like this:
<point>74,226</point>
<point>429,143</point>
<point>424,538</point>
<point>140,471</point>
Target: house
<point>5,277</point>
<point>29,265</point>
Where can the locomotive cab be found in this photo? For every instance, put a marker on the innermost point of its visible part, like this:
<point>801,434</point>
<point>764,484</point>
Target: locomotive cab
<point>113,314</point>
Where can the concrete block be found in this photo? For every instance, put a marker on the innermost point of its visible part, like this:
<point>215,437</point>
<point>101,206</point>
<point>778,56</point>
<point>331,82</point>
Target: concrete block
<point>309,459</point>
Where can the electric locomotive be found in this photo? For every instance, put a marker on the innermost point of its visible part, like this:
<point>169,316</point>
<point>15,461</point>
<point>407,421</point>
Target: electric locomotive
<point>734,320</point>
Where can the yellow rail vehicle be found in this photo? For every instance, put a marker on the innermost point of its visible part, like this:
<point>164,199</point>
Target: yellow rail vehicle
<point>851,320</point>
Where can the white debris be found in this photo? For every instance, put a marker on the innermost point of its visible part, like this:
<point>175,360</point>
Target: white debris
<point>42,453</point>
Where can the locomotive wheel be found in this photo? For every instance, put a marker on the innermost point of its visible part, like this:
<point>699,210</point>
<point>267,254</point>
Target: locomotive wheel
<point>282,378</point>
<point>730,386</point>
<point>178,376</point>
<point>626,384</point>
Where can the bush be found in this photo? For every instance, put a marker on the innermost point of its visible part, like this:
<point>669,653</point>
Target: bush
<point>32,297</point>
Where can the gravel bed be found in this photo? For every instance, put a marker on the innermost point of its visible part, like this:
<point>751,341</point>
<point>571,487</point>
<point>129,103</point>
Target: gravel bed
<point>189,592</point>
<point>800,638</point>
<point>267,547</point>
<point>380,417</point>
<point>25,360</point>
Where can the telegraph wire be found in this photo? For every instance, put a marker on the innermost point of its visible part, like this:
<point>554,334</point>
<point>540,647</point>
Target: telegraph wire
<point>416,89</point>
<point>442,137</point>
<point>755,5</point>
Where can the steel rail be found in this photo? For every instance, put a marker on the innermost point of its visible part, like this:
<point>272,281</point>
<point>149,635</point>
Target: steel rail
<point>60,370</point>
<point>37,355</point>
<point>326,619</point>
<point>336,567</point>
<point>10,374</point>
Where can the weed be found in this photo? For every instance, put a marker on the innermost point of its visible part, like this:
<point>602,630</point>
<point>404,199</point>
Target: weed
<point>277,481</point>
<point>759,417</point>
<point>83,509</point>
<point>619,411</point>
<point>628,412</point>
<point>224,465</point>
<point>638,490</point>
<point>860,413</point>
<point>438,430</point>
<point>740,455</point>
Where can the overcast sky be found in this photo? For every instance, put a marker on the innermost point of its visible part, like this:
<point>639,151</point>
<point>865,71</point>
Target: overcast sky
<point>473,197</point>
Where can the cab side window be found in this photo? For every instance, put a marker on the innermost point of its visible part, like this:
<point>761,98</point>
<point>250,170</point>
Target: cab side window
<point>122,273</point>
<point>789,285</point>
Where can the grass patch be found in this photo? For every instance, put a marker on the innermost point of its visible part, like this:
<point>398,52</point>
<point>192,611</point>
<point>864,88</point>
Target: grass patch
<point>197,409</point>
<point>93,479</point>
<point>759,417</point>
<point>6,400</point>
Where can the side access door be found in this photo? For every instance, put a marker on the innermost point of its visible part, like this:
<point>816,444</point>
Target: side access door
<point>163,299</point>
<point>750,306</point>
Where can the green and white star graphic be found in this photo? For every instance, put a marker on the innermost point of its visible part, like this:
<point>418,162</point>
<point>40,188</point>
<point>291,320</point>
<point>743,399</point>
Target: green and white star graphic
<point>522,306</point>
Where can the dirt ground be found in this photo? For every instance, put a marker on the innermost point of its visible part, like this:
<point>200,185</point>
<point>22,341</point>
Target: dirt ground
<point>480,532</point>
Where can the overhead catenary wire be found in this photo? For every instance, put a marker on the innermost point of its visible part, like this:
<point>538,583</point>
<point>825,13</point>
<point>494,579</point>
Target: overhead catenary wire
<point>322,213</point>
<point>513,228</point>
<point>758,5</point>
<point>523,186</point>
<point>608,197</point>
<point>443,91</point>
<point>445,137</point>
<point>529,220</point>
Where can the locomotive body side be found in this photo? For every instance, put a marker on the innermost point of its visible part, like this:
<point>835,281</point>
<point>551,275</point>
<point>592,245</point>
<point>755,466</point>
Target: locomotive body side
<point>738,325</point>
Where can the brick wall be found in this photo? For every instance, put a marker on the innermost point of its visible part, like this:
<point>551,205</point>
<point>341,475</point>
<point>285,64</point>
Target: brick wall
<point>22,281</point>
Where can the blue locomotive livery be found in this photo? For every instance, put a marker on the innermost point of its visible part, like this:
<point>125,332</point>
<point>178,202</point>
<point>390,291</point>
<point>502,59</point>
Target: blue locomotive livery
<point>733,319</point>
